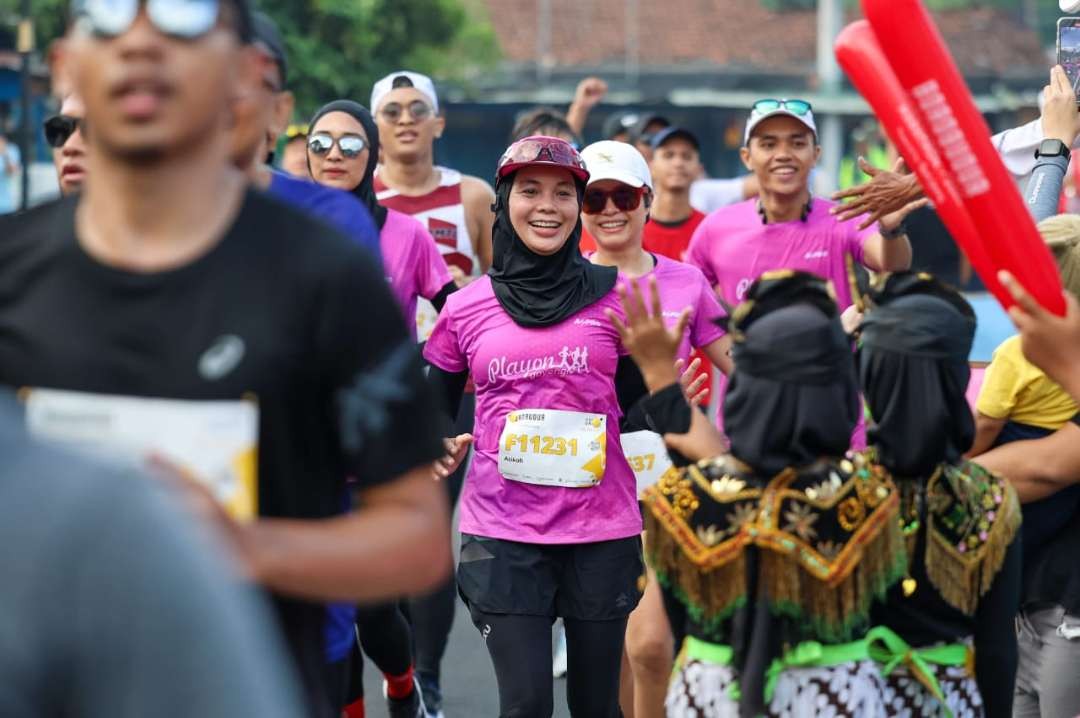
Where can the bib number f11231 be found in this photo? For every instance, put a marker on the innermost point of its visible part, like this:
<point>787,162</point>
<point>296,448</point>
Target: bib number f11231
<point>549,447</point>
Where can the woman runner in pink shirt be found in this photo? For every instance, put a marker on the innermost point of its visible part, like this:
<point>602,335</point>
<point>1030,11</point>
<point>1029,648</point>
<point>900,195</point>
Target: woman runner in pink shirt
<point>549,517</point>
<point>615,209</point>
<point>343,151</point>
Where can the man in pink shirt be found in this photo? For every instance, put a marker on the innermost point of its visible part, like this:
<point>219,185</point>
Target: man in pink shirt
<point>786,227</point>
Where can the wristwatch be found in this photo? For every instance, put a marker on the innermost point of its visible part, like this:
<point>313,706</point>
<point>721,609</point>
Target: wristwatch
<point>895,233</point>
<point>1052,148</point>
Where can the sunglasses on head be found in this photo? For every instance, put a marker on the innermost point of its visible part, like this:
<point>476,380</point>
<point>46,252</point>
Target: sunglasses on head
<point>59,128</point>
<point>351,146</point>
<point>625,199</point>
<point>185,19</point>
<point>418,110</point>
<point>796,107</point>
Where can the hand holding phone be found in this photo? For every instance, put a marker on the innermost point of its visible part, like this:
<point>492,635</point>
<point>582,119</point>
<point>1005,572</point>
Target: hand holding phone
<point>1068,49</point>
<point>1060,114</point>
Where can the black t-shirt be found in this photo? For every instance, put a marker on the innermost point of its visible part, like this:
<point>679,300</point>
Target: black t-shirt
<point>282,308</point>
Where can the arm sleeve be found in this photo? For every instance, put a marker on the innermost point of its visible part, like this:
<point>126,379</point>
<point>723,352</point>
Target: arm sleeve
<point>995,641</point>
<point>439,300</point>
<point>1044,188</point>
<point>629,389</point>
<point>1001,386</point>
<point>390,421</point>
<point>450,385</point>
<point>432,274</point>
<point>156,625</point>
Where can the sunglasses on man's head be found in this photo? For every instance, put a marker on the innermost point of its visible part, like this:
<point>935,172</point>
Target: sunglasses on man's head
<point>185,19</point>
<point>796,107</point>
<point>418,110</point>
<point>60,128</point>
<point>625,199</point>
<point>351,146</point>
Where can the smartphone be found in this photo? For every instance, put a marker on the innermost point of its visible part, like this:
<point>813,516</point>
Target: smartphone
<point>1068,49</point>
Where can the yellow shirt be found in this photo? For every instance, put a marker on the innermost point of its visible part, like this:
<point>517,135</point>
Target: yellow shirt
<point>1015,389</point>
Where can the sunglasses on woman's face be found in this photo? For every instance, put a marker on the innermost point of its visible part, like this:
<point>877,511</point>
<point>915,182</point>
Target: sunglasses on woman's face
<point>418,110</point>
<point>625,199</point>
<point>185,19</point>
<point>59,129</point>
<point>351,146</point>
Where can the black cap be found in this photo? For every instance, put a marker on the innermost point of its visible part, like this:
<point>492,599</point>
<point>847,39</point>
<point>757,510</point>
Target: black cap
<point>669,133</point>
<point>637,132</point>
<point>267,35</point>
<point>618,122</point>
<point>244,22</point>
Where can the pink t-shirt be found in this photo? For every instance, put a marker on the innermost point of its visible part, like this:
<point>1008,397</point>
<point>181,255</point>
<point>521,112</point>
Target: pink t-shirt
<point>414,267</point>
<point>569,366</point>
<point>733,248</point>
<point>682,285</point>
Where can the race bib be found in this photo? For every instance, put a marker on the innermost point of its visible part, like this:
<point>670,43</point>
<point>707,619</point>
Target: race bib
<point>553,448</point>
<point>647,455</point>
<point>213,442</point>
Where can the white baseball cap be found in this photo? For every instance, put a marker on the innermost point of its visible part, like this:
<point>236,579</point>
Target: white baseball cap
<point>764,109</point>
<point>422,83</point>
<point>619,161</point>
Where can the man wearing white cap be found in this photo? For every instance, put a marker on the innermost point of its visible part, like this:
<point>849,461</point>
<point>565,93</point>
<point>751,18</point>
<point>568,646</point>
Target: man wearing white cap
<point>786,227</point>
<point>456,210</point>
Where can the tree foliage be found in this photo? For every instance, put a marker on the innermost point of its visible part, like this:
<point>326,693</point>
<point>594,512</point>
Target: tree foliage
<point>338,48</point>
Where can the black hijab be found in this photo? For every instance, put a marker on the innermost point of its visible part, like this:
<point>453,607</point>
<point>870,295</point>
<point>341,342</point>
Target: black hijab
<point>793,396</point>
<point>365,191</point>
<point>537,290</point>
<point>913,366</point>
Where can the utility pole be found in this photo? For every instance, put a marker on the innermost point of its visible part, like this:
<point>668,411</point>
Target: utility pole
<point>830,18</point>
<point>25,46</point>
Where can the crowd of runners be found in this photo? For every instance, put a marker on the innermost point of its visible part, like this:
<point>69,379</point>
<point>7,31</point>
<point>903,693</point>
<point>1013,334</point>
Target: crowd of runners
<point>321,358</point>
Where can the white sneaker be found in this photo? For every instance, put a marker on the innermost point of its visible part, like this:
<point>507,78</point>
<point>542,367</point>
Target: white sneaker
<point>558,664</point>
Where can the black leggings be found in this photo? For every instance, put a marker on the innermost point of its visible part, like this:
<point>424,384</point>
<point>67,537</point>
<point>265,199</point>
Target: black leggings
<point>520,649</point>
<point>385,639</point>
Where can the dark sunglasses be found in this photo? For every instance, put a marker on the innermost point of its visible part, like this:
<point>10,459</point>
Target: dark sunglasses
<point>60,128</point>
<point>418,110</point>
<point>626,199</point>
<point>351,146</point>
<point>796,107</point>
<point>185,19</point>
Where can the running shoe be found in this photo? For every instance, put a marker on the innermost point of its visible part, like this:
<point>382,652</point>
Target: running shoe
<point>431,696</point>
<point>558,665</point>
<point>412,706</point>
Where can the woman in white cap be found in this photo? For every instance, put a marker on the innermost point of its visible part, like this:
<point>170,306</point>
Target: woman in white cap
<point>615,209</point>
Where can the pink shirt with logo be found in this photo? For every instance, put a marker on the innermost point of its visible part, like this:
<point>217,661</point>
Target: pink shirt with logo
<point>682,285</point>
<point>414,267</point>
<point>733,248</point>
<point>568,366</point>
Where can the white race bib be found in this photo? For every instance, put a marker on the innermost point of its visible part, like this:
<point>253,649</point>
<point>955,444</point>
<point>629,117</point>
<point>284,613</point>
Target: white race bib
<point>647,455</point>
<point>213,442</point>
<point>426,316</point>
<point>549,447</point>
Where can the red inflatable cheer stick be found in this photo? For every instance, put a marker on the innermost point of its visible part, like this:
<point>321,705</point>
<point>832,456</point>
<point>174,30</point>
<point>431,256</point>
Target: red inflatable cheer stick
<point>926,71</point>
<point>860,56</point>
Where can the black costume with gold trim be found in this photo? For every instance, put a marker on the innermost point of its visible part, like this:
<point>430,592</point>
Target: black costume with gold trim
<point>829,538</point>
